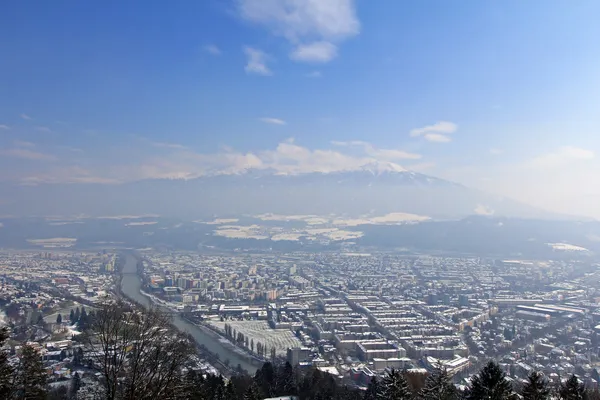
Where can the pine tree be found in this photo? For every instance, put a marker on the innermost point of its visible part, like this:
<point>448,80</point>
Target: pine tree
<point>59,319</point>
<point>394,386</point>
<point>572,389</point>
<point>536,387</point>
<point>75,385</point>
<point>252,393</point>
<point>438,386</point>
<point>72,316</point>
<point>373,390</point>
<point>31,376</point>
<point>252,345</point>
<point>77,314</point>
<point>490,383</point>
<point>6,372</point>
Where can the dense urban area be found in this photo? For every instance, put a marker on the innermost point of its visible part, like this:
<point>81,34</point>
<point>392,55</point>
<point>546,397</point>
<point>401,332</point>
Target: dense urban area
<point>354,317</point>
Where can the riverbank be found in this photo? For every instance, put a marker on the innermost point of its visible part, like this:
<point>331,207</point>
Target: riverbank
<point>131,287</point>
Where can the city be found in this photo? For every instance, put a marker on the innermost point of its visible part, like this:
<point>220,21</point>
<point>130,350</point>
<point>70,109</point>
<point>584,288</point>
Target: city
<point>352,315</point>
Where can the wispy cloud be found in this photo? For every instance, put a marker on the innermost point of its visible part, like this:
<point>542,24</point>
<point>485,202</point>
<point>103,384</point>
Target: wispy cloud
<point>212,49</point>
<point>21,143</point>
<point>317,52</point>
<point>44,129</point>
<point>272,121</point>
<point>496,151</point>
<point>25,116</point>
<point>562,156</point>
<point>169,145</point>
<point>27,154</point>
<point>257,62</point>
<point>378,153</point>
<point>314,28</point>
<point>437,137</point>
<point>437,132</point>
<point>4,127</point>
<point>314,74</point>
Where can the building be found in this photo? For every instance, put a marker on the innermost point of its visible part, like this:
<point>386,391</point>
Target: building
<point>369,350</point>
<point>297,355</point>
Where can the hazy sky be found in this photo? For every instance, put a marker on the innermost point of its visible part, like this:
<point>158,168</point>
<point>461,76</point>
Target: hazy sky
<point>499,95</point>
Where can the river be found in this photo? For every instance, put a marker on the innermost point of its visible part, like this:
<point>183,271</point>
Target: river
<point>131,285</point>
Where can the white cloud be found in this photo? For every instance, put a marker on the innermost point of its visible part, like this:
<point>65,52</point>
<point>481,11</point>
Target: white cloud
<point>20,143</point>
<point>317,52</point>
<point>304,23</point>
<point>483,210</point>
<point>437,137</point>
<point>180,162</point>
<point>377,153</point>
<point>314,74</point>
<point>562,156</point>
<point>27,154</point>
<point>442,127</point>
<point>212,49</point>
<point>25,116</point>
<point>4,127</point>
<point>168,145</point>
<point>44,129</point>
<point>272,121</point>
<point>257,62</point>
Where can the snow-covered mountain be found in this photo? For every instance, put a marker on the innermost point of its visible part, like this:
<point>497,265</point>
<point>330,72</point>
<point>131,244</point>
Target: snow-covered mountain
<point>377,188</point>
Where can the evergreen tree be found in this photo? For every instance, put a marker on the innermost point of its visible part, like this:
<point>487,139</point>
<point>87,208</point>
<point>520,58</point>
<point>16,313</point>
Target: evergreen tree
<point>394,386</point>
<point>373,390</point>
<point>77,314</point>
<point>72,316</point>
<point>252,393</point>
<point>83,323</point>
<point>265,379</point>
<point>438,386</point>
<point>31,376</point>
<point>6,372</point>
<point>75,385</point>
<point>285,381</point>
<point>595,374</point>
<point>252,345</point>
<point>536,387</point>
<point>572,389</point>
<point>490,383</point>
<point>59,319</point>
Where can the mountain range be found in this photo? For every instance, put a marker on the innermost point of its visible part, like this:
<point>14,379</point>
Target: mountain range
<point>374,189</point>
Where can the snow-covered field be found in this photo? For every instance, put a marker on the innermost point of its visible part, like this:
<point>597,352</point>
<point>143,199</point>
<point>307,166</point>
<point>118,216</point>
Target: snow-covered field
<point>261,332</point>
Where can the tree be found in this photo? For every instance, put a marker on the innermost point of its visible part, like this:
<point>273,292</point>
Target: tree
<point>373,390</point>
<point>252,345</point>
<point>490,383</point>
<point>6,372</point>
<point>141,347</point>
<point>82,323</point>
<point>595,374</point>
<point>59,319</point>
<point>394,386</point>
<point>273,354</point>
<point>252,393</point>
<point>77,314</point>
<point>572,389</point>
<point>72,316</point>
<point>438,386</point>
<point>536,387</point>
<point>30,375</point>
<point>75,385</point>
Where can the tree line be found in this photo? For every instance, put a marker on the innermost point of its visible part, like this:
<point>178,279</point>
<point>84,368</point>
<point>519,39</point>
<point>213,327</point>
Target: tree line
<point>260,349</point>
<point>139,356</point>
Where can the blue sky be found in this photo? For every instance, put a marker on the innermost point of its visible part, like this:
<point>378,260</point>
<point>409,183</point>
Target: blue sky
<point>498,95</point>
